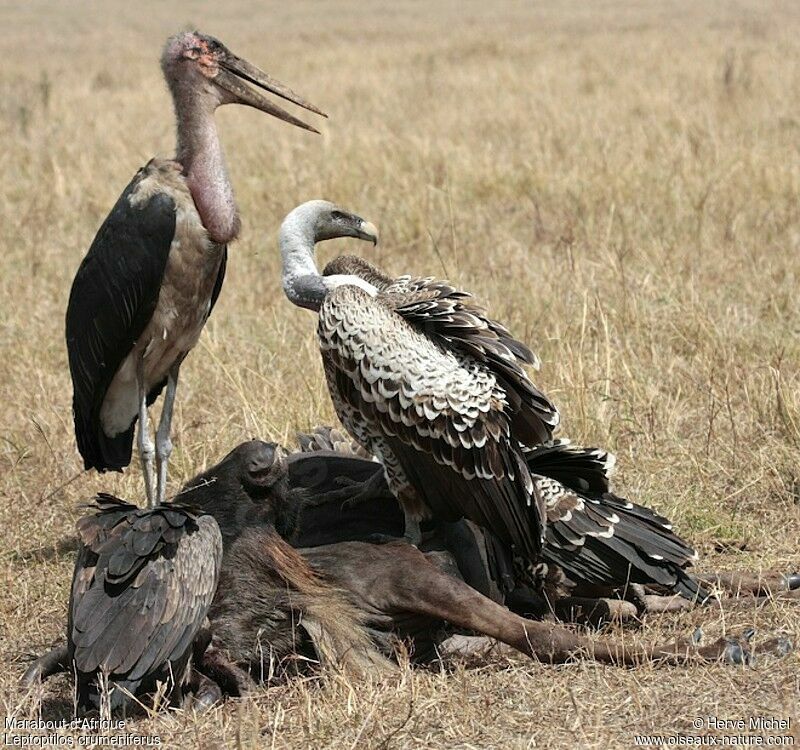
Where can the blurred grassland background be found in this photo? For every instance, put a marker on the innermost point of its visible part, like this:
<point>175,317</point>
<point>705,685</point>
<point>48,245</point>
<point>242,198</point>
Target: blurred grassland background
<point>617,181</point>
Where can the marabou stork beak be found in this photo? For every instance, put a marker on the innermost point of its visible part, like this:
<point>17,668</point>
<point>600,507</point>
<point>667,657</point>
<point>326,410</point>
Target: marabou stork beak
<point>233,71</point>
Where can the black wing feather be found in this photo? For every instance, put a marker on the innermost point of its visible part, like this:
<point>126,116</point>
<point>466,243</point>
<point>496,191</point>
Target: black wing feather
<point>113,297</point>
<point>135,622</point>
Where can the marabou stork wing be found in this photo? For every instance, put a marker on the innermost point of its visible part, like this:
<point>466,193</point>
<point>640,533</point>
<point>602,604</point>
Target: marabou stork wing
<point>444,417</point>
<point>453,319</point>
<point>143,583</point>
<point>113,297</point>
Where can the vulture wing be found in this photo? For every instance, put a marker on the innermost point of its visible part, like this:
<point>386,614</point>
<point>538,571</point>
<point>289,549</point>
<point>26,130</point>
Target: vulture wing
<point>443,417</point>
<point>143,583</point>
<point>597,537</point>
<point>452,319</point>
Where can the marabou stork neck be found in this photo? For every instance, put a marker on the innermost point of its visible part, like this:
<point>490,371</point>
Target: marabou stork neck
<point>425,381</point>
<point>153,273</point>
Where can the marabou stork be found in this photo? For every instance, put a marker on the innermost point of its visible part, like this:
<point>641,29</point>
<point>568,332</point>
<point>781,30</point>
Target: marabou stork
<point>154,271</point>
<point>425,381</point>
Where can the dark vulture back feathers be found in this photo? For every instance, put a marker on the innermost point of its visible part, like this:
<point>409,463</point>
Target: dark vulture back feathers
<point>143,583</point>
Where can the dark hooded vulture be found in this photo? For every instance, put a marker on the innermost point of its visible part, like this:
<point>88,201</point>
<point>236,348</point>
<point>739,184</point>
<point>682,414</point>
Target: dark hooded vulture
<point>143,583</point>
<point>425,381</point>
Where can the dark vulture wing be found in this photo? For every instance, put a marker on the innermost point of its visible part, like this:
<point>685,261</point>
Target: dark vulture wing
<point>113,297</point>
<point>599,538</point>
<point>143,583</point>
<point>445,417</point>
<point>579,469</point>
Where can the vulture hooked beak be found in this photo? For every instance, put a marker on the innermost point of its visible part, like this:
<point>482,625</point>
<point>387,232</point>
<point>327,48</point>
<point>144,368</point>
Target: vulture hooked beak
<point>366,230</point>
<point>234,71</point>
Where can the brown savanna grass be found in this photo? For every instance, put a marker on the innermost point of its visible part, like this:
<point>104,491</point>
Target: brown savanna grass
<point>617,181</point>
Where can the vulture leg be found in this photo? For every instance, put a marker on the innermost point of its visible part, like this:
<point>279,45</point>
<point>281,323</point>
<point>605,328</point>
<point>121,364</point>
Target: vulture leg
<point>146,451</point>
<point>163,440</point>
<point>413,534</point>
<point>45,666</point>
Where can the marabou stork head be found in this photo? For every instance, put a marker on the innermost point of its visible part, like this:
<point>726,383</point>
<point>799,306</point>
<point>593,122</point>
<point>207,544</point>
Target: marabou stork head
<point>197,65</point>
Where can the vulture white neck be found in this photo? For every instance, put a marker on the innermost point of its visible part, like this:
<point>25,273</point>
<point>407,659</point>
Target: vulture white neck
<point>302,282</point>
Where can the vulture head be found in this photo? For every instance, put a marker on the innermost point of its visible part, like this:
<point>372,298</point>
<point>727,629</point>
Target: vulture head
<point>312,222</point>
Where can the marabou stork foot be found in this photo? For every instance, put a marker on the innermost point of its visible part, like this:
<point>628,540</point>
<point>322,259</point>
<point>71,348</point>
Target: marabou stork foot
<point>51,663</point>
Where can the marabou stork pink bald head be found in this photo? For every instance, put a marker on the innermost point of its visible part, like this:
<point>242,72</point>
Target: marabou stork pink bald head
<point>203,69</point>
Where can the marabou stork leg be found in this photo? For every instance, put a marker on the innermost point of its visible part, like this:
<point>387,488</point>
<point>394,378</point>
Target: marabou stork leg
<point>146,450</point>
<point>163,440</point>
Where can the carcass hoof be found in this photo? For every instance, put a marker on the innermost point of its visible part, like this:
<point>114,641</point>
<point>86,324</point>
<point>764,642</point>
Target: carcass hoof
<point>737,653</point>
<point>778,647</point>
<point>206,698</point>
<point>738,649</point>
<point>206,693</point>
<point>792,581</point>
<point>33,675</point>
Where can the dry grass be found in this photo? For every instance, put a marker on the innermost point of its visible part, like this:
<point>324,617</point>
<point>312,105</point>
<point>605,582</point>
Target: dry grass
<point>618,181</point>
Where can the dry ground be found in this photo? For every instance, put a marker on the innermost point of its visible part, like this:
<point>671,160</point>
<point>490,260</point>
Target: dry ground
<point>618,181</point>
